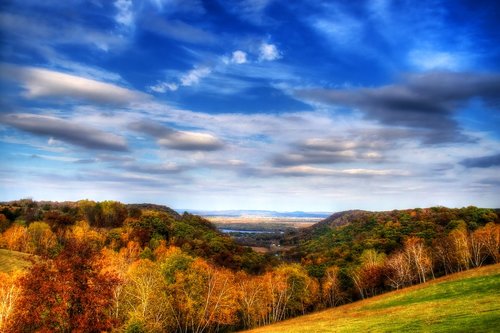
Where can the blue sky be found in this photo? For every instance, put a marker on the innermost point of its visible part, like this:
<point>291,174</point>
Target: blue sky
<point>280,105</point>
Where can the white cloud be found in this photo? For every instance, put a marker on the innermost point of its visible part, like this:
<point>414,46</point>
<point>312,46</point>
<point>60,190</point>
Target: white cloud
<point>191,141</point>
<point>306,170</point>
<point>162,87</point>
<point>195,75</point>
<point>268,52</point>
<point>125,14</point>
<point>39,82</point>
<point>427,60</point>
<point>239,57</point>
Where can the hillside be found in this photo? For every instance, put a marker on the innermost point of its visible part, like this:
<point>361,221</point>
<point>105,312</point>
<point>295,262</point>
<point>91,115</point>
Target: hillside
<point>13,260</point>
<point>342,238</point>
<point>117,224</point>
<point>462,302</point>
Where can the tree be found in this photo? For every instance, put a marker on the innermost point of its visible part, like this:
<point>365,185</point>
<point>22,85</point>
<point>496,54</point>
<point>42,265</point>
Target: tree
<point>9,294</point>
<point>461,245</point>
<point>15,238</point>
<point>67,294</point>
<point>202,297</point>
<point>331,287</point>
<point>398,271</point>
<point>490,238</point>
<point>418,258</point>
<point>253,299</point>
<point>41,238</point>
<point>368,277</point>
<point>144,300</point>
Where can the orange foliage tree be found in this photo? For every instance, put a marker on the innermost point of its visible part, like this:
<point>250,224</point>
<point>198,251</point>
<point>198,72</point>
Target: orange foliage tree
<point>67,294</point>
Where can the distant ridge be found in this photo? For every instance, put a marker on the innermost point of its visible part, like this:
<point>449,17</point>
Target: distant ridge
<point>264,213</point>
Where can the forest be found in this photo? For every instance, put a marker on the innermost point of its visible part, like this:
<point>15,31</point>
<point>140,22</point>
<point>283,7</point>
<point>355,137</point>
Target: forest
<point>109,266</point>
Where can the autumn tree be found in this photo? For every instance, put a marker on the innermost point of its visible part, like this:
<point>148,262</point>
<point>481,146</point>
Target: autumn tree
<point>9,294</point>
<point>41,238</point>
<point>368,276</point>
<point>398,270</point>
<point>201,296</point>
<point>253,299</point>
<point>489,236</point>
<point>67,294</point>
<point>331,287</point>
<point>461,245</point>
<point>291,291</point>
<point>418,258</point>
<point>144,299</point>
<point>15,238</point>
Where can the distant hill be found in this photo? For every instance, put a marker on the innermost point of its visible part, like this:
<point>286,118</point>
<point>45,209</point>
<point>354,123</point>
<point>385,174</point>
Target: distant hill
<point>462,302</point>
<point>263,213</point>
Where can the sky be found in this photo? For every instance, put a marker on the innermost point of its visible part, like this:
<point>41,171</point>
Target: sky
<point>252,104</point>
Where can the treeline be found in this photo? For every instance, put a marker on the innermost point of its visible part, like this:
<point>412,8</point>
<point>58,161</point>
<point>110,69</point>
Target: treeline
<point>41,228</point>
<point>158,271</point>
<point>374,252</point>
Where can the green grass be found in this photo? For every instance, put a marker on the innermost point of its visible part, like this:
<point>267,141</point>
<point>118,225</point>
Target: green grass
<point>464,302</point>
<point>13,260</point>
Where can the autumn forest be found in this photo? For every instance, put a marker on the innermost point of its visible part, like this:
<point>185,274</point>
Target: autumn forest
<point>107,266</point>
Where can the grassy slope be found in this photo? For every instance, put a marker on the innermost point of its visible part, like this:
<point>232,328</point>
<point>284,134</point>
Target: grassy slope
<point>13,260</point>
<point>463,302</point>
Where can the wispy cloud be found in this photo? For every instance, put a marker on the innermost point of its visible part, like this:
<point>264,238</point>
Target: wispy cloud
<point>178,140</point>
<point>43,83</point>
<point>66,130</point>
<point>178,30</point>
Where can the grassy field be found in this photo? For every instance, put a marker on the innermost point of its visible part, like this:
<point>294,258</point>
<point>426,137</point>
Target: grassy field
<point>464,302</point>
<point>13,260</point>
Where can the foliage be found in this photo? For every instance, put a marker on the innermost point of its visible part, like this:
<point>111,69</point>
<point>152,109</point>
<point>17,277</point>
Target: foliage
<point>68,293</point>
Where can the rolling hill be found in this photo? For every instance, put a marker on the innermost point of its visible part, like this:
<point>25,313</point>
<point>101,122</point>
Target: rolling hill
<point>463,302</point>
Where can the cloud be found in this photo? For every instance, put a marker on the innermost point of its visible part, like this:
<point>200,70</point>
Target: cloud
<point>37,33</point>
<point>482,162</point>
<point>428,60</point>
<point>425,103</point>
<point>338,26</point>
<point>155,169</point>
<point>188,79</point>
<point>311,171</point>
<point>268,52</point>
<point>249,10</point>
<point>194,76</point>
<point>125,13</point>
<point>239,57</point>
<point>331,151</point>
<point>178,140</point>
<point>66,130</point>
<point>39,83</point>
<point>191,141</point>
<point>178,30</point>
<point>163,87</point>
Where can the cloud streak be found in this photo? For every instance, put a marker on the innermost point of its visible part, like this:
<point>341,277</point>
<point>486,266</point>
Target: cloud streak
<point>44,83</point>
<point>424,102</point>
<point>178,140</point>
<point>67,131</point>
